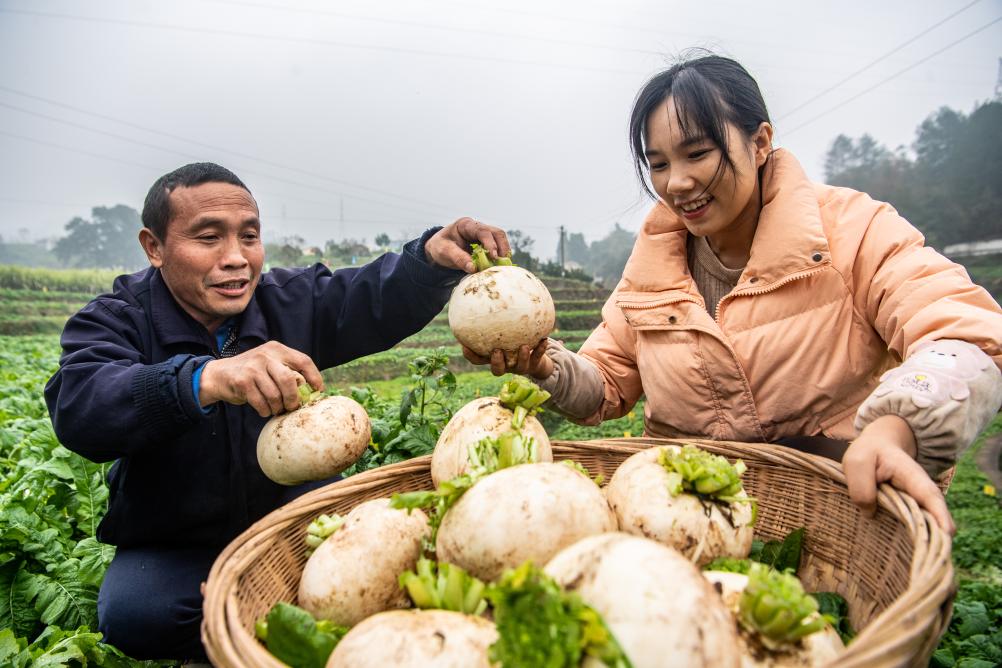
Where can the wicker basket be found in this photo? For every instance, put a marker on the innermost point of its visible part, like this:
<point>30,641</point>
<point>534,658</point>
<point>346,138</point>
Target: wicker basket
<point>894,571</point>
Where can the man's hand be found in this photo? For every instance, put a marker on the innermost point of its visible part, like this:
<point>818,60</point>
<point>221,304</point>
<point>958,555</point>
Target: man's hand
<point>528,362</point>
<point>450,246</point>
<point>885,452</point>
<point>266,377</point>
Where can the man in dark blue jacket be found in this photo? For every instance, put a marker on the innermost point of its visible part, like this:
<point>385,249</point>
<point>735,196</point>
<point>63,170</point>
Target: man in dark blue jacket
<point>175,372</point>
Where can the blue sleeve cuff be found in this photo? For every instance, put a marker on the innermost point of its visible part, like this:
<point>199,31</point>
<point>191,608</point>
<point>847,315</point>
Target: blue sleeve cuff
<point>196,379</point>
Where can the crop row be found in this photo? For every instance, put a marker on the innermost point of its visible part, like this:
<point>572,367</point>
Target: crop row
<point>91,281</point>
<point>8,295</point>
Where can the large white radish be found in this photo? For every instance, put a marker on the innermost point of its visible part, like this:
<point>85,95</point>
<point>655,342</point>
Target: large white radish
<point>416,639</point>
<point>500,307</point>
<point>354,573</point>
<point>656,603</point>
<point>314,442</point>
<point>701,529</point>
<point>530,511</point>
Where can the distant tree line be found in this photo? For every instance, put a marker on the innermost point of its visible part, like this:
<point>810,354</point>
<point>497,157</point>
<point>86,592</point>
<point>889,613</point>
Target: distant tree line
<point>949,185</point>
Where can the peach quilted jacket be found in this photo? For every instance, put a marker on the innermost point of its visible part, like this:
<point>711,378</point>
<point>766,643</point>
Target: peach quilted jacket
<point>838,289</point>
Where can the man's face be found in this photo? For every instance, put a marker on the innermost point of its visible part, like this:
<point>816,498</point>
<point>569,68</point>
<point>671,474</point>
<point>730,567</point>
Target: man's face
<point>212,255</point>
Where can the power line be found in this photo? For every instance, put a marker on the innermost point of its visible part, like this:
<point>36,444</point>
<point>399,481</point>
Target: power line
<point>311,40</point>
<point>81,151</point>
<point>874,62</point>
<point>220,148</point>
<point>190,156</point>
<point>863,92</point>
<point>151,168</point>
<point>433,26</point>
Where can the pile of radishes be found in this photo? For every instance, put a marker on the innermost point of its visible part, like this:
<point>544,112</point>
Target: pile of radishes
<point>515,560</point>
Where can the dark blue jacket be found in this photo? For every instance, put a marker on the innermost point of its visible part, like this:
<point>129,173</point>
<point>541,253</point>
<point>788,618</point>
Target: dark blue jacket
<point>123,391</point>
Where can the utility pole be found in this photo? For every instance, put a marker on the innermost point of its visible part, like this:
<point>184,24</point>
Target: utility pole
<point>561,247</point>
<point>341,217</point>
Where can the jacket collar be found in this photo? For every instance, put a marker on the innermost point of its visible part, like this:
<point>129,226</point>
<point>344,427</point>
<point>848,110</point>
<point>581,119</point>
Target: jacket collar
<point>789,237</point>
<point>173,325</point>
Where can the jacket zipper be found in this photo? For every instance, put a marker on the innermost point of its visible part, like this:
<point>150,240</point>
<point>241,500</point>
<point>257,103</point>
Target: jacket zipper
<point>749,292</point>
<point>657,302</point>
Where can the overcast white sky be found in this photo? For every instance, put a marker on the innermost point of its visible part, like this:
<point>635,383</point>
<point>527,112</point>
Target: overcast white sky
<point>351,118</point>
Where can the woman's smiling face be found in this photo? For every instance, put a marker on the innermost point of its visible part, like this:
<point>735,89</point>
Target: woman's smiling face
<point>691,175</point>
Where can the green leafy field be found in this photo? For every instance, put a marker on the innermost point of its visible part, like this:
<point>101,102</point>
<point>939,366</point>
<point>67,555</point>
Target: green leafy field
<point>51,500</point>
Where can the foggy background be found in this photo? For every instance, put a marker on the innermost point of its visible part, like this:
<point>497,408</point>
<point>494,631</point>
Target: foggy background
<point>352,119</point>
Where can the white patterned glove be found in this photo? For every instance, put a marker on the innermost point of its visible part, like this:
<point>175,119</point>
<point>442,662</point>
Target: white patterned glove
<point>947,391</point>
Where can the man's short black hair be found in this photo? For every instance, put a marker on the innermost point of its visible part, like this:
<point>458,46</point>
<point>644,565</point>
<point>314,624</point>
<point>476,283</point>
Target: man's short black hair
<point>156,209</point>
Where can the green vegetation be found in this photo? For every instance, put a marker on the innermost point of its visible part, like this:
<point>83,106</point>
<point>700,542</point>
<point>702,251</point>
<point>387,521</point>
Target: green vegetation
<point>947,186</point>
<point>974,639</point>
<point>89,281</point>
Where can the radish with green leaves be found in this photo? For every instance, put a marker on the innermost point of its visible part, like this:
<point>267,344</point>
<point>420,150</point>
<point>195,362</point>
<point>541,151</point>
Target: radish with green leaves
<point>655,602</point>
<point>686,498</point>
<point>500,307</point>
<point>780,626</point>
<point>354,572</point>
<point>320,439</point>
<point>490,417</point>
<point>416,639</point>
<point>525,512</point>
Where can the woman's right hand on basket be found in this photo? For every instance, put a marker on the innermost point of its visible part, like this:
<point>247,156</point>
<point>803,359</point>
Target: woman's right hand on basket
<point>885,452</point>
<point>531,362</point>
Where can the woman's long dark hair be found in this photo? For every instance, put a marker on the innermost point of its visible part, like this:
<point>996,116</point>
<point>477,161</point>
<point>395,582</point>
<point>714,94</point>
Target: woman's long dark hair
<point>709,91</point>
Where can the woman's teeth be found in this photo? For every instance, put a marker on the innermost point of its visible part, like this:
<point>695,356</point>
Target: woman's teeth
<point>695,204</point>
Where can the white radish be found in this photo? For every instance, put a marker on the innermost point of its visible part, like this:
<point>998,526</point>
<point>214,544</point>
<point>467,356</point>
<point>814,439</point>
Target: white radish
<point>530,511</point>
<point>701,529</point>
<point>815,649</point>
<point>416,639</point>
<point>314,442</point>
<point>500,307</point>
<point>480,418</point>
<point>655,602</point>
<point>354,573</point>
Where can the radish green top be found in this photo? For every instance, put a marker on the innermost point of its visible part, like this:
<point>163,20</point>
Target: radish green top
<point>487,456</point>
<point>774,605</point>
<point>540,624</point>
<point>319,530</point>
<point>307,395</point>
<point>445,587</point>
<point>482,261</point>
<point>508,449</point>
<point>523,397</point>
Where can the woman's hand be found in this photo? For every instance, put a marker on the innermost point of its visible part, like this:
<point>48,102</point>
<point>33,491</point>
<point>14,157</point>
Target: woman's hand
<point>532,362</point>
<point>885,452</point>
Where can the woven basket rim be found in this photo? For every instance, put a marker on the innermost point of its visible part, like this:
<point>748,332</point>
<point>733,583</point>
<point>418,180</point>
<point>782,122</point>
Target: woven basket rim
<point>906,629</point>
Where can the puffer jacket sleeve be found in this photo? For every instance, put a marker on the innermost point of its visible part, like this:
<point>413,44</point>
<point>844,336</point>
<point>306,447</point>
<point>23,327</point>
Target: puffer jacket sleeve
<point>612,347</point>
<point>910,293</point>
<point>105,401</point>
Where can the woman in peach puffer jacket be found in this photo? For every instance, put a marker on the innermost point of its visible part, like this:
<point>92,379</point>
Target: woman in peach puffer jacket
<point>758,306</point>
